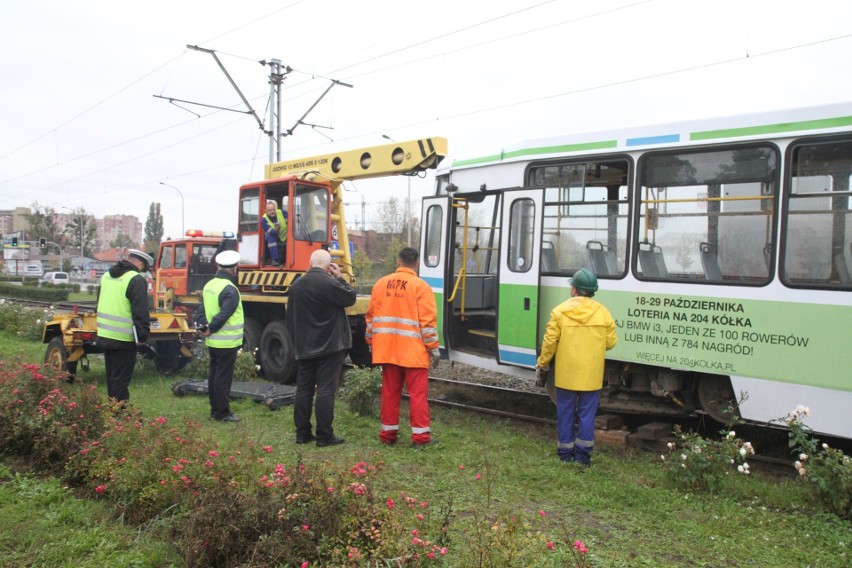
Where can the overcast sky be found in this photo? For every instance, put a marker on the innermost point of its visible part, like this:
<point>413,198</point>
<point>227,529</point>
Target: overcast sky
<point>80,125</point>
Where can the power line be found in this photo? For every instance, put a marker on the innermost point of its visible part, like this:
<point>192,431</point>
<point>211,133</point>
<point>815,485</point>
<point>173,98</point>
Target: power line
<point>447,117</point>
<point>86,111</point>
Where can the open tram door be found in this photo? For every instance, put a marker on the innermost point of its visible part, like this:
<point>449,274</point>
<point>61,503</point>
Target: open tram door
<point>434,254</point>
<point>518,277</point>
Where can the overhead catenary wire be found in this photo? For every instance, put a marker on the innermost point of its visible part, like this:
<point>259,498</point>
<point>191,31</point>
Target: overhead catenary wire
<point>458,114</point>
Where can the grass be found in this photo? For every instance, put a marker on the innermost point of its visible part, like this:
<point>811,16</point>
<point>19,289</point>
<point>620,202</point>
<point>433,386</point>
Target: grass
<point>620,507</point>
<point>43,524</point>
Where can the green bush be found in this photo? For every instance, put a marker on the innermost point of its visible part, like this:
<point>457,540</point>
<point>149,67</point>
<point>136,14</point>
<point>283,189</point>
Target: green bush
<point>23,321</point>
<point>827,471</point>
<point>698,464</point>
<point>361,390</point>
<point>33,293</point>
<point>246,367</point>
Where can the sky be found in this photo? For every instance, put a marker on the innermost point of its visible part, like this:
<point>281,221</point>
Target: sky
<point>83,124</point>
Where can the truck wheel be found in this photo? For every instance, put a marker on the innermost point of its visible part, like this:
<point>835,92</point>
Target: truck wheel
<point>252,332</point>
<point>56,358</point>
<point>276,354</point>
<point>359,354</point>
<point>169,359</point>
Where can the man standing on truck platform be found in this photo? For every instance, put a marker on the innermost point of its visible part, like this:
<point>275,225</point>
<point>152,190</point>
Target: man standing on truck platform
<point>579,334</point>
<point>319,328</point>
<point>274,225</point>
<point>123,320</point>
<point>220,321</point>
<point>403,332</point>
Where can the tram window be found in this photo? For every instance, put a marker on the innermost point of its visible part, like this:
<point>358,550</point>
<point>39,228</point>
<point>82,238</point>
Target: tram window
<point>585,216</point>
<point>434,224</point>
<point>712,212</point>
<point>818,227</point>
<point>521,235</point>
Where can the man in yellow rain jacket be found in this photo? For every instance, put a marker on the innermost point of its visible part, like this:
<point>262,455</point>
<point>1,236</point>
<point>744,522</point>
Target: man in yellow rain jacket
<point>403,333</point>
<point>579,334</point>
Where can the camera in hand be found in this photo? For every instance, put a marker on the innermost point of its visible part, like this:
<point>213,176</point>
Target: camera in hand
<point>201,328</point>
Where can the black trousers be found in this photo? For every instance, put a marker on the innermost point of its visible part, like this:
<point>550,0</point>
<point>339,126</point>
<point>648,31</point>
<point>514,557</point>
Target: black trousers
<point>320,375</point>
<point>219,379</point>
<point>119,370</point>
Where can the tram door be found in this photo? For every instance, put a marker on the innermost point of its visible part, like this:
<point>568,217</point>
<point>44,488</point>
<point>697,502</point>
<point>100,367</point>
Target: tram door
<point>518,277</point>
<point>433,253</point>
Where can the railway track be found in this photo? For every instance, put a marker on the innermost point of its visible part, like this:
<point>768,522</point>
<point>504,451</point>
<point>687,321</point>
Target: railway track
<point>614,429</point>
<point>58,306</point>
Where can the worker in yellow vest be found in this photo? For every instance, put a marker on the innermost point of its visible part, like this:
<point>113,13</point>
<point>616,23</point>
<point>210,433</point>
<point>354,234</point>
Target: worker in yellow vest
<point>220,320</point>
<point>123,321</point>
<point>274,225</point>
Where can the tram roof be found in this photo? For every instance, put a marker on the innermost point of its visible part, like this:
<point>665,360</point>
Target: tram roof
<point>817,119</point>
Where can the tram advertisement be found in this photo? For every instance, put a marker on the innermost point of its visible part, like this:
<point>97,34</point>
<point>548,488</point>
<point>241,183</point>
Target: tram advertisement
<point>773,340</point>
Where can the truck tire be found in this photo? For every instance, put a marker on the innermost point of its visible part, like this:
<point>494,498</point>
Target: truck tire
<point>252,332</point>
<point>359,353</point>
<point>56,358</point>
<point>276,354</point>
<point>169,359</point>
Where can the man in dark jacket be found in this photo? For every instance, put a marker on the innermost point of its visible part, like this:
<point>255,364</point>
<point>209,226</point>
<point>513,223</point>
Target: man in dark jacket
<point>220,321</point>
<point>123,320</point>
<point>316,312</point>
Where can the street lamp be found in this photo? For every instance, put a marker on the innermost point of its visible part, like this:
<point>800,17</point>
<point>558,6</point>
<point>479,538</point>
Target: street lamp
<point>408,198</point>
<point>181,204</point>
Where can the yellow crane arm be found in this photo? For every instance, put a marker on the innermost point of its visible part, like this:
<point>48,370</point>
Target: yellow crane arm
<point>397,158</point>
<point>376,161</point>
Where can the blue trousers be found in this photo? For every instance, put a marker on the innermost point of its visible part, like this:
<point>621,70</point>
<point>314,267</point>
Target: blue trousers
<point>576,445</point>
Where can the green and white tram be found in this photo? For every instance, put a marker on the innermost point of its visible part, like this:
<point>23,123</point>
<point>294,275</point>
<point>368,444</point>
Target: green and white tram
<point>723,250</point>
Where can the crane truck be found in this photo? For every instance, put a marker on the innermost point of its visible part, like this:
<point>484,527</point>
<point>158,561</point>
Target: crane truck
<point>310,190</point>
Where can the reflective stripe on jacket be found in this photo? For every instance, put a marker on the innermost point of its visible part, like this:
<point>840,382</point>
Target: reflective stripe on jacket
<point>402,320</point>
<point>115,319</point>
<point>231,333</point>
<point>579,334</point>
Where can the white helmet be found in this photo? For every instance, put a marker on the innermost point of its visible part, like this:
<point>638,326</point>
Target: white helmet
<point>228,258</point>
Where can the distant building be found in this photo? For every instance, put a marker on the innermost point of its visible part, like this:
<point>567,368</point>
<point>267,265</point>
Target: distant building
<point>111,255</point>
<point>14,220</point>
<point>112,225</point>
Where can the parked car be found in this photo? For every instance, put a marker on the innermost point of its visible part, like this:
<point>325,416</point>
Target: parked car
<point>24,268</point>
<point>54,278</point>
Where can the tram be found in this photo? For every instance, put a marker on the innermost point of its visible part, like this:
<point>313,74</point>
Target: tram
<point>722,248</point>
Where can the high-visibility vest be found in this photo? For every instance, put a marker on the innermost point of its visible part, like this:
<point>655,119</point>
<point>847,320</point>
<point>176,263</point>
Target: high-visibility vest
<point>282,224</point>
<point>115,319</point>
<point>230,334</point>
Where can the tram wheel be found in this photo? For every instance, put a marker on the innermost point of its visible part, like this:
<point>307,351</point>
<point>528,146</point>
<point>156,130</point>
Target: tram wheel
<point>717,398</point>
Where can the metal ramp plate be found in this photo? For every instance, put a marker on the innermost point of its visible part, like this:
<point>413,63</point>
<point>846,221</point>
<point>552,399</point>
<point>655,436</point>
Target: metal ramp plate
<point>271,395</point>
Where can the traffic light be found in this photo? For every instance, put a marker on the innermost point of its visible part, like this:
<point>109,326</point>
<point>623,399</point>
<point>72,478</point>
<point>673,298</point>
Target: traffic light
<point>42,242</point>
<point>14,241</point>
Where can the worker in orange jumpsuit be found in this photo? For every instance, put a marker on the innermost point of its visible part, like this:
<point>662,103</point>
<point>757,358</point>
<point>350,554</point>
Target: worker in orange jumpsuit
<point>403,332</point>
